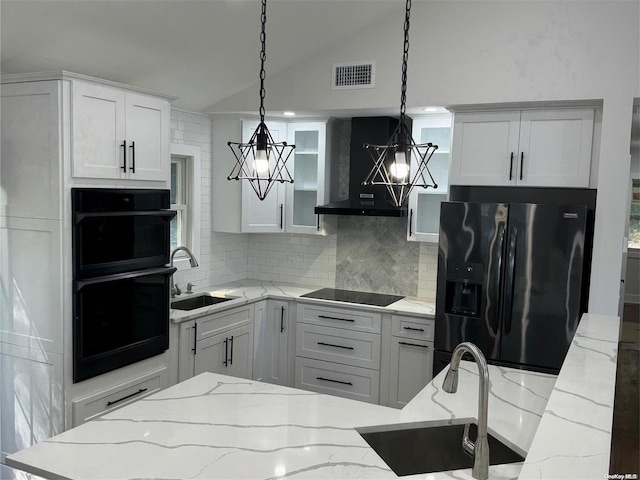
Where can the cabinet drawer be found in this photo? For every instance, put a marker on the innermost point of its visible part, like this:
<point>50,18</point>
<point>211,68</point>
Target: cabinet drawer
<point>218,322</point>
<point>335,379</point>
<point>89,407</point>
<point>412,327</point>
<point>340,317</point>
<point>359,349</point>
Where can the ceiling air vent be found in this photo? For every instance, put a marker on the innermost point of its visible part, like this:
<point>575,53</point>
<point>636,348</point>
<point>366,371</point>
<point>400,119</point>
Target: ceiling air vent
<point>353,75</point>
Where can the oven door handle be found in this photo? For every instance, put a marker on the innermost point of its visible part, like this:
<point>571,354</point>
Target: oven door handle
<point>166,271</point>
<point>169,214</point>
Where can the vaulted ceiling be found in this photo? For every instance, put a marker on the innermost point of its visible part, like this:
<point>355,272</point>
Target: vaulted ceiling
<point>200,51</point>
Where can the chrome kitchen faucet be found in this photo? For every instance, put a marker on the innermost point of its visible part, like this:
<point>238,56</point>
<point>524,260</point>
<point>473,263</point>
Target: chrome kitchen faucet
<point>480,449</point>
<point>192,261</point>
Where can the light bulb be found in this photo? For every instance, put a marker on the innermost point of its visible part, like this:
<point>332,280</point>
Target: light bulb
<point>261,163</point>
<point>399,168</point>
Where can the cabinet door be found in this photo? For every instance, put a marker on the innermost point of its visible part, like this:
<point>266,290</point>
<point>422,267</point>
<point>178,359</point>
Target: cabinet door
<point>555,148</point>
<point>424,203</point>
<point>268,215</point>
<point>484,148</point>
<point>31,149</point>
<point>228,353</point>
<point>98,131</point>
<point>307,166</point>
<point>31,397</point>
<point>148,156</point>
<point>411,369</point>
<point>275,346</point>
<point>210,354</point>
<point>240,352</point>
<point>31,309</point>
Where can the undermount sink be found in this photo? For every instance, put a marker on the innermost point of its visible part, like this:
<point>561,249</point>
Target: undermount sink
<point>433,447</point>
<point>198,301</point>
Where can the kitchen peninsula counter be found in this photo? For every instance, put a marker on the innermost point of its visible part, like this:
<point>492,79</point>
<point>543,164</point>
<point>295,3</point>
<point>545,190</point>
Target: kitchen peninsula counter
<point>247,291</point>
<point>214,426</point>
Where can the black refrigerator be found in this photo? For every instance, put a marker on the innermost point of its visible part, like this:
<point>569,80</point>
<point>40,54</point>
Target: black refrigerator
<point>512,280</point>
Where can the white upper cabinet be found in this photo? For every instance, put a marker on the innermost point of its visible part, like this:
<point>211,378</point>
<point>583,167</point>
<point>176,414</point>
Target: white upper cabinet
<point>424,203</point>
<point>118,134</point>
<point>542,147</point>
<point>263,216</point>
<point>555,148</point>
<point>307,165</point>
<point>289,207</point>
<point>31,166</point>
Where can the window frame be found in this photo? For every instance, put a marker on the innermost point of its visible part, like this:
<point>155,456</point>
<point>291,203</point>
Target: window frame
<point>191,205</point>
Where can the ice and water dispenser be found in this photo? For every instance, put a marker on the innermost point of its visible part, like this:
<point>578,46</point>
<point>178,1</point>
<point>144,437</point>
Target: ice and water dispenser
<point>464,289</point>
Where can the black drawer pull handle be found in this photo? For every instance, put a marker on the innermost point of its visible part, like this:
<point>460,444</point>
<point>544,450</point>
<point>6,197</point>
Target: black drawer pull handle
<point>133,157</point>
<point>124,148</point>
<point>195,338</point>
<point>333,345</point>
<point>334,381</point>
<point>231,358</point>
<point>511,167</point>
<point>225,362</point>
<point>128,396</point>
<point>336,318</point>
<point>281,319</point>
<point>414,329</point>
<point>521,163</point>
<point>413,344</point>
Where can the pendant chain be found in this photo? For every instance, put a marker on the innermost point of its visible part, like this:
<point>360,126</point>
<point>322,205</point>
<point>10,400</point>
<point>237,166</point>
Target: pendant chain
<point>263,57</point>
<point>405,58</point>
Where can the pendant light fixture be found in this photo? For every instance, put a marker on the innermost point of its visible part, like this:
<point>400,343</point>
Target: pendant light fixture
<point>261,161</point>
<point>392,162</point>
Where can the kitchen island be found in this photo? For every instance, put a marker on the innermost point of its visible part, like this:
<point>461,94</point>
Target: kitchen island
<point>214,426</point>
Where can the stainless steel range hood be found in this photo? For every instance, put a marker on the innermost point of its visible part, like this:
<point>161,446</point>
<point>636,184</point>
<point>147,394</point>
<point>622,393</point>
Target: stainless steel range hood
<point>370,200</point>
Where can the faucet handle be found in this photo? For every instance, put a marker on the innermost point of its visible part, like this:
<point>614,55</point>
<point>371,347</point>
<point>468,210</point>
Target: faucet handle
<point>190,287</point>
<point>176,289</point>
<point>467,445</point>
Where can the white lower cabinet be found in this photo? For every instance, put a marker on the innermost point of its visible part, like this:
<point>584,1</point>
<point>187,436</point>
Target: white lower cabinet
<point>411,358</point>
<point>89,407</point>
<point>276,333</point>
<point>218,343</point>
<point>336,379</point>
<point>338,352</point>
<point>228,353</point>
<point>31,397</point>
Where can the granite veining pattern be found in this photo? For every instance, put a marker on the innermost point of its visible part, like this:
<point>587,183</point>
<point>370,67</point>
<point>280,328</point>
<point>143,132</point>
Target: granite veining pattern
<point>213,426</point>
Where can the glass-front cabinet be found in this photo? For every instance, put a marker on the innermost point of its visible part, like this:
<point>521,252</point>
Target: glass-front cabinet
<point>424,203</point>
<point>308,166</point>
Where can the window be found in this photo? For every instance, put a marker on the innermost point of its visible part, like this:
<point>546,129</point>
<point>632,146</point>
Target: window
<point>186,201</point>
<point>179,202</point>
<point>634,217</point>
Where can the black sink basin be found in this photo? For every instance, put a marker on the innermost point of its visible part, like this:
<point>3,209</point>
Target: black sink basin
<point>197,301</point>
<point>432,448</point>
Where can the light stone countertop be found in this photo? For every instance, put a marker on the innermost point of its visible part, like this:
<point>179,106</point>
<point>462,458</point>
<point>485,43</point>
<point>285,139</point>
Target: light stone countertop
<point>247,291</point>
<point>218,427</point>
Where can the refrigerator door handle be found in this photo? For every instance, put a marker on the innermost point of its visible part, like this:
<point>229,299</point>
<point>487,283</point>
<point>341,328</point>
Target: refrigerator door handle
<point>501,273</point>
<point>509,279</point>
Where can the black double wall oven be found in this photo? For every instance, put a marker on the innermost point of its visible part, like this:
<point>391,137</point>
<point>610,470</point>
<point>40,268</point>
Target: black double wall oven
<point>120,277</point>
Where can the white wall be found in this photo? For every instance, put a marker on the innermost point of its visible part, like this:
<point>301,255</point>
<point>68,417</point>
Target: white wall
<point>470,52</point>
<point>223,256</point>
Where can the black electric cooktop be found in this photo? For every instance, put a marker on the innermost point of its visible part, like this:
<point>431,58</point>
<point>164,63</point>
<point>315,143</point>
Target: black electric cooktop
<point>367,298</point>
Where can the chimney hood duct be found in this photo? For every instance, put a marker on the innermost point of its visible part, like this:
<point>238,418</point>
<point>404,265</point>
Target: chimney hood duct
<point>369,200</point>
